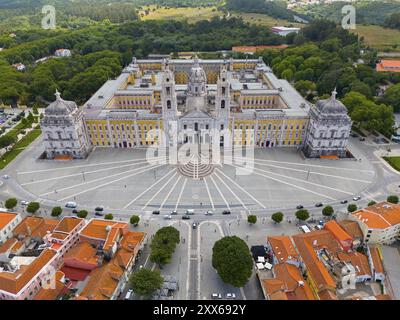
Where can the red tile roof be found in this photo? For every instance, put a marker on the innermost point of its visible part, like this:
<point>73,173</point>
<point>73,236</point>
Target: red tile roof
<point>13,282</point>
<point>6,218</point>
<point>379,216</point>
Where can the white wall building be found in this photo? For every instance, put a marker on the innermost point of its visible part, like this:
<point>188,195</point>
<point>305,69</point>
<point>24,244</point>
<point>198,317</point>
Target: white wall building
<point>379,223</point>
<point>63,130</point>
<point>8,221</point>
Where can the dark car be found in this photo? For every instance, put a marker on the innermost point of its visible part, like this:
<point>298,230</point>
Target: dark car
<point>185,217</point>
<point>362,139</point>
<point>343,201</point>
<point>99,209</point>
<point>75,211</point>
<point>319,204</point>
<point>226,212</point>
<point>354,135</point>
<point>99,214</point>
<point>156,212</point>
<point>299,207</point>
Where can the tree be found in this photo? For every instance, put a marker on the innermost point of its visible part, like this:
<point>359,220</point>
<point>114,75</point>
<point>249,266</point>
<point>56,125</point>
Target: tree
<point>371,203</point>
<point>393,199</point>
<point>277,217</point>
<point>82,214</point>
<point>134,220</point>
<point>145,282</point>
<point>232,260</point>
<point>327,211</point>
<point>11,203</point>
<point>163,245</point>
<point>302,214</point>
<point>252,219</point>
<point>7,140</point>
<point>351,207</point>
<point>33,207</point>
<point>56,211</point>
<point>108,216</point>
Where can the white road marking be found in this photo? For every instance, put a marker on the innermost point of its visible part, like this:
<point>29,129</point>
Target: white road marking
<point>305,181</point>
<point>159,190</point>
<point>234,194</point>
<point>241,188</point>
<point>149,188</point>
<point>107,183</point>
<point>91,165</point>
<point>219,191</point>
<point>170,192</point>
<point>180,194</point>
<point>209,194</point>
<point>85,172</point>
<point>289,184</point>
<point>312,172</point>
<point>302,164</point>
<point>95,180</point>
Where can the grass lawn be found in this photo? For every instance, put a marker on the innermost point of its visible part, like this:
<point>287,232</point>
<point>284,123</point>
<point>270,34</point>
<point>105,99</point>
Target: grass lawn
<point>393,161</point>
<point>264,20</point>
<point>19,147</point>
<point>195,14</point>
<point>379,37</point>
<point>192,14</point>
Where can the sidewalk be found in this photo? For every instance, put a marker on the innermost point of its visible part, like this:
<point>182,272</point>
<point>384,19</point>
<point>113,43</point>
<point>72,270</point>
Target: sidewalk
<point>391,263</point>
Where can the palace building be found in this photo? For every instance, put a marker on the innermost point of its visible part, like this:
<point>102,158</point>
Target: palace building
<point>172,102</point>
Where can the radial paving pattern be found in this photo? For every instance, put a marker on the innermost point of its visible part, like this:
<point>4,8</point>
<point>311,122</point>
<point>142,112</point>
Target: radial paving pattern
<point>118,179</point>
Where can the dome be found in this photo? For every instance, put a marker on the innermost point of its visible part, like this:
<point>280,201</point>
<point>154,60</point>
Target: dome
<point>60,106</point>
<point>197,74</point>
<point>331,105</point>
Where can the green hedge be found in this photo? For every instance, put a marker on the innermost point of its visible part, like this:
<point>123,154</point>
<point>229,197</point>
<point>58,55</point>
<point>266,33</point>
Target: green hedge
<point>393,161</point>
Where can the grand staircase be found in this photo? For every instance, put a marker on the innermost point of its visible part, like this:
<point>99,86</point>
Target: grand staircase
<point>197,167</point>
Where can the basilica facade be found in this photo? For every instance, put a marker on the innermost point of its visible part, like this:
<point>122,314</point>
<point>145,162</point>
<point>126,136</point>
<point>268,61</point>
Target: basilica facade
<point>219,102</point>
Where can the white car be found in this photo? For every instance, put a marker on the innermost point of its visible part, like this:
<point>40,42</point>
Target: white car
<point>128,294</point>
<point>209,213</point>
<point>167,217</point>
<point>6,177</point>
<point>356,198</point>
<point>216,296</point>
<point>24,203</point>
<point>231,296</point>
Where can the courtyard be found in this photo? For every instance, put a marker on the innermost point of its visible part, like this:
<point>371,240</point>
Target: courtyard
<point>124,179</point>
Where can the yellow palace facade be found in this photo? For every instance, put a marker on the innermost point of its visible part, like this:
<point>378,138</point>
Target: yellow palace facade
<point>243,96</point>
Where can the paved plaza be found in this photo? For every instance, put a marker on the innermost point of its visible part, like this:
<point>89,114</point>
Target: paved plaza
<point>125,179</point>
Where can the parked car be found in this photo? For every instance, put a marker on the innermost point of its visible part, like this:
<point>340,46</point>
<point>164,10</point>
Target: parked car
<point>354,135</point>
<point>185,217</point>
<point>167,217</point>
<point>356,198</point>
<point>128,294</point>
<point>71,204</point>
<point>174,213</point>
<point>156,212</point>
<point>209,213</point>
<point>99,214</point>
<point>362,139</point>
<point>319,204</point>
<point>231,296</point>
<point>216,296</point>
<point>190,212</point>
<point>99,209</point>
<point>299,207</point>
<point>24,203</point>
<point>6,177</point>
<point>343,201</point>
<point>226,212</point>
<point>75,211</point>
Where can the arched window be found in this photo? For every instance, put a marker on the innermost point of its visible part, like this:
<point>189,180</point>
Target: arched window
<point>223,104</point>
<point>169,104</point>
